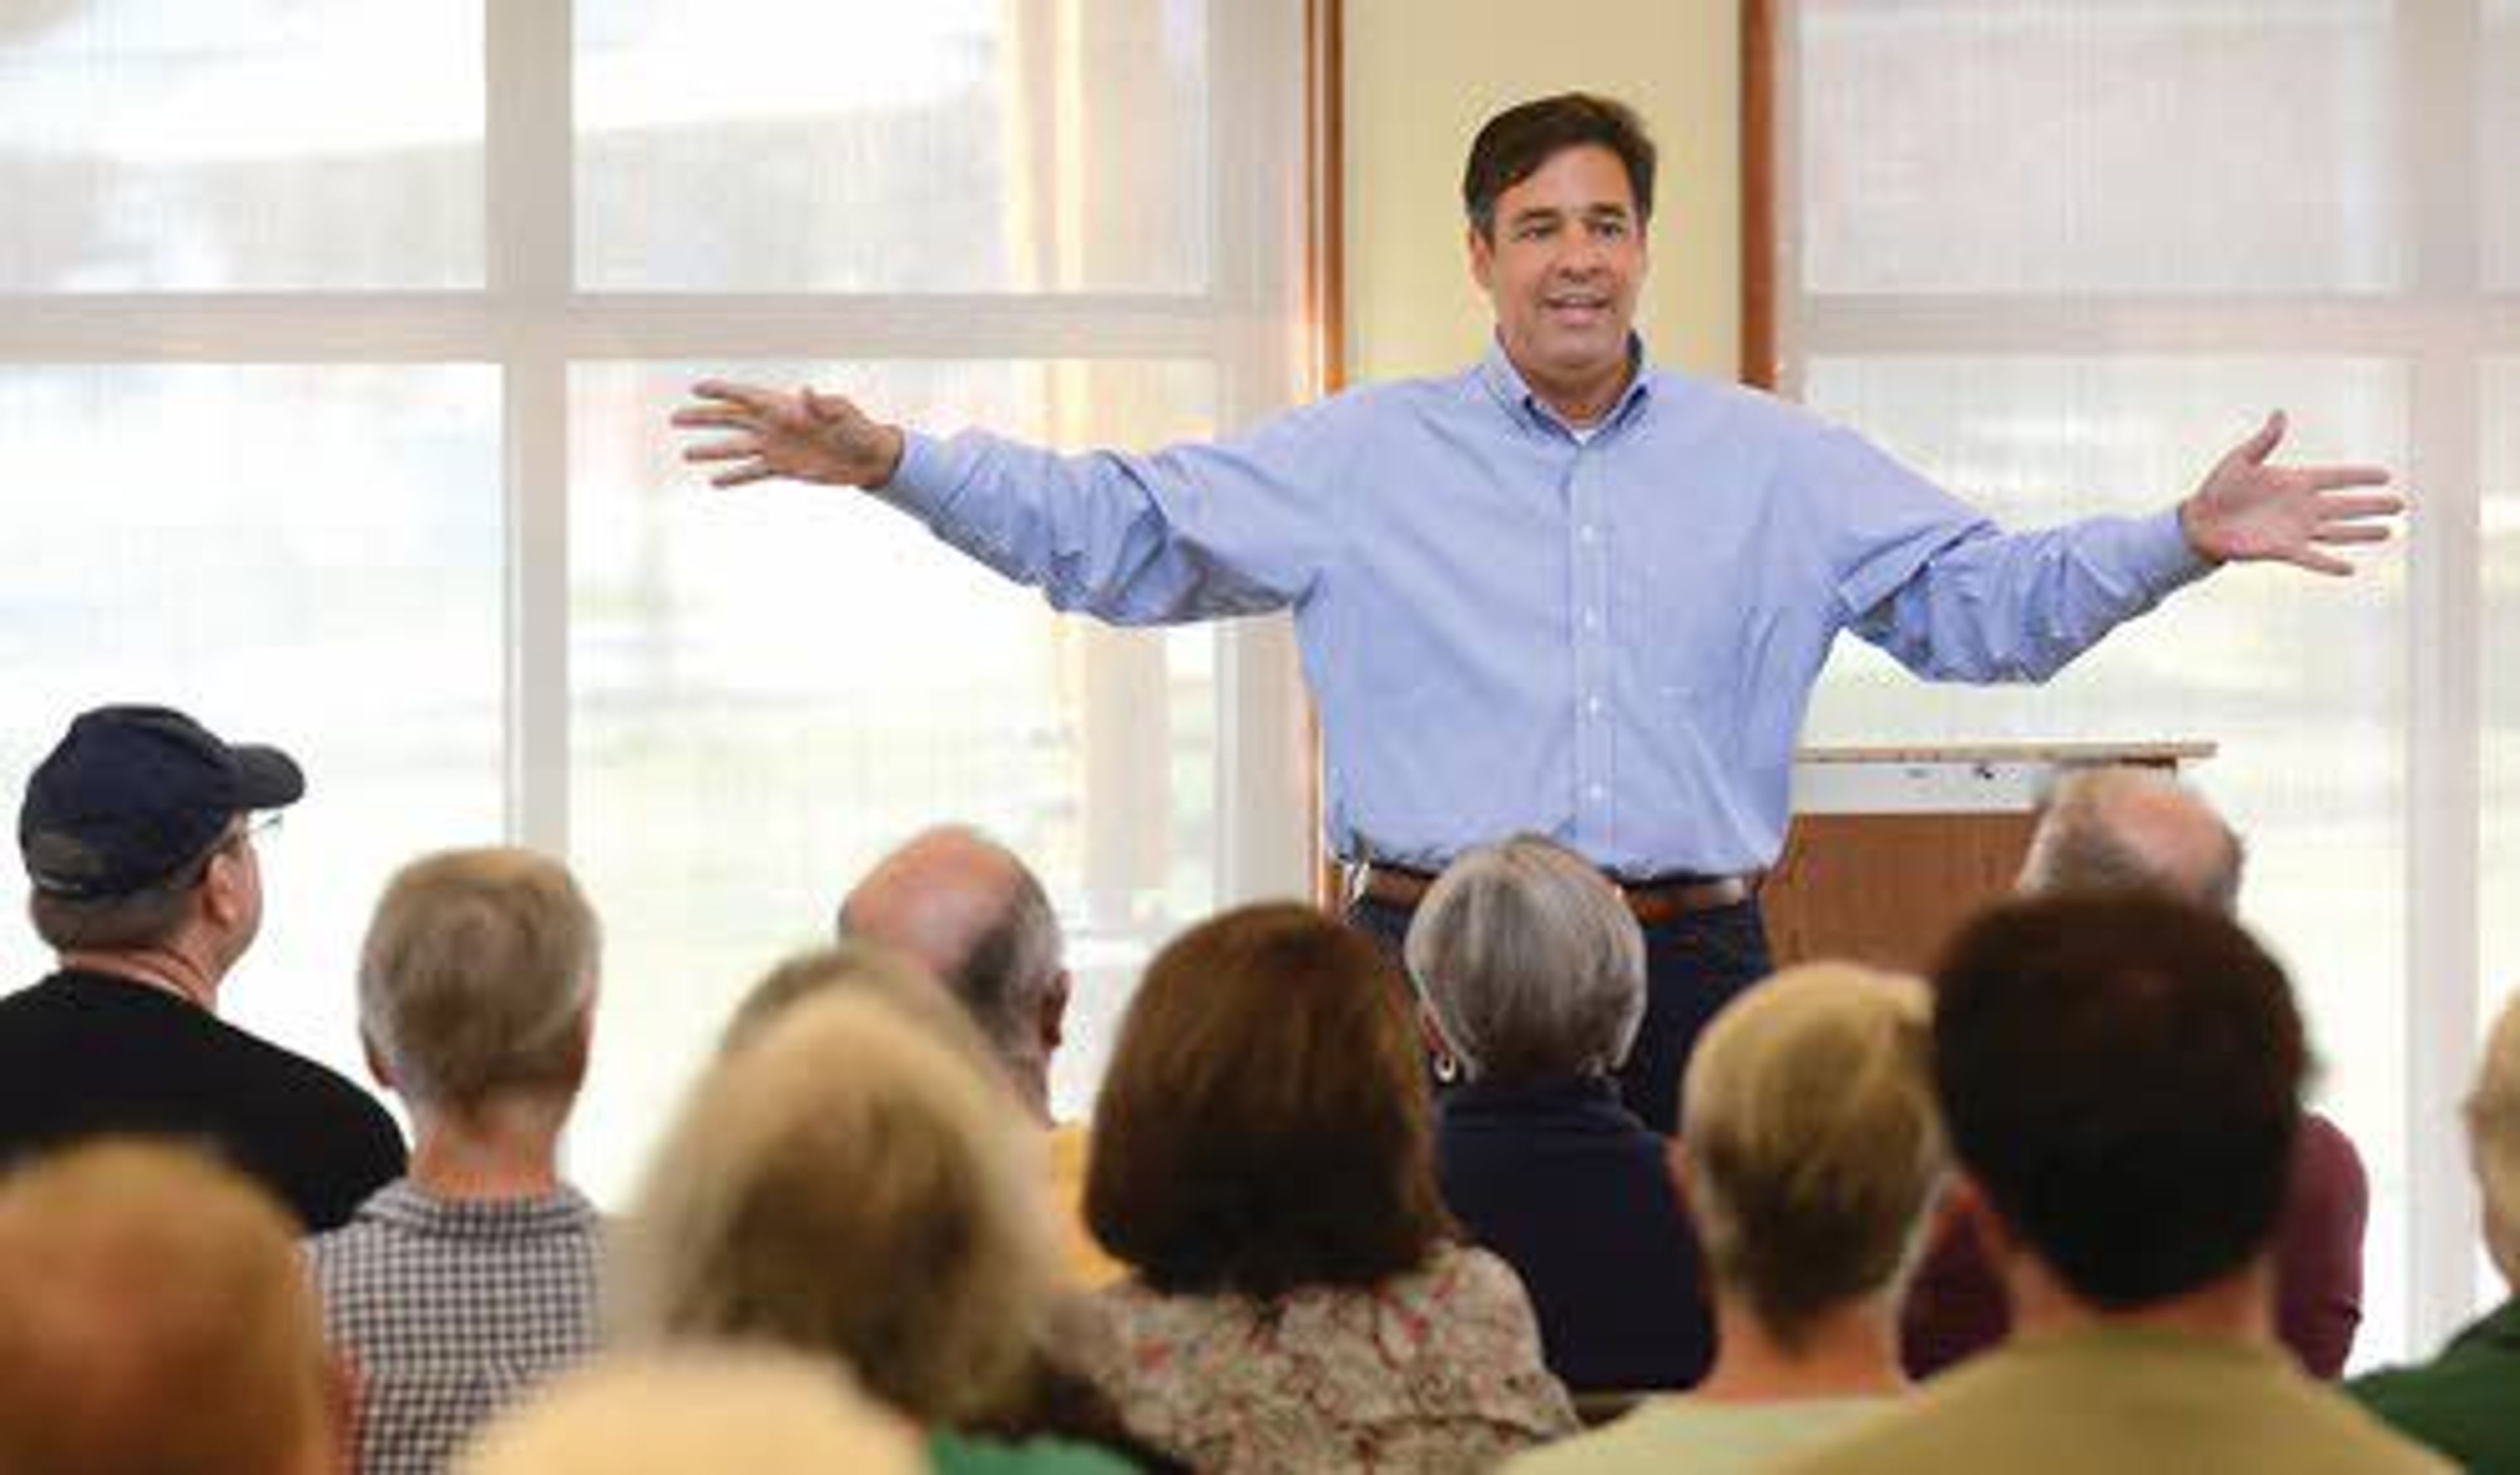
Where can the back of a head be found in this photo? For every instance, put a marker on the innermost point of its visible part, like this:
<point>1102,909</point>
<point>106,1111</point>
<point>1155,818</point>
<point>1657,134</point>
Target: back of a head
<point>1532,963</point>
<point>866,970</point>
<point>850,1184</point>
<point>2123,828</point>
<point>1813,1141</point>
<point>756,1410</point>
<point>477,978</point>
<point>1263,1121</point>
<point>155,1318</point>
<point>2121,1073</point>
<point>970,910</point>
<point>2493,1113</point>
<point>131,817</point>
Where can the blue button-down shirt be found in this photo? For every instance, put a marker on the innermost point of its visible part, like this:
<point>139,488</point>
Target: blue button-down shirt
<point>1608,639</point>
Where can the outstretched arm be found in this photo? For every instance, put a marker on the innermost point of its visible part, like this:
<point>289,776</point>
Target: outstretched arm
<point>2249,510</point>
<point>806,436</point>
<point>1200,529</point>
<point>1958,602</point>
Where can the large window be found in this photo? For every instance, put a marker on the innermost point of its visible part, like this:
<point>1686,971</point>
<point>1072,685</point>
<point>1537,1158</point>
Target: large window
<point>337,339</point>
<point>2062,273</point>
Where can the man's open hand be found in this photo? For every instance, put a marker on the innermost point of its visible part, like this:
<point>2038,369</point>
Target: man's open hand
<point>2249,510</point>
<point>806,436</point>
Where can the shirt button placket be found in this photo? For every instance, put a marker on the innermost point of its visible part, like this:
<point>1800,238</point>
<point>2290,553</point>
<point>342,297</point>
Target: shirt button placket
<point>1589,563</point>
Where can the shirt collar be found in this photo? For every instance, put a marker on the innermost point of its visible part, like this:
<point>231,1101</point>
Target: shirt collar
<point>1595,1099</point>
<point>409,1207</point>
<point>2500,1326</point>
<point>1515,393</point>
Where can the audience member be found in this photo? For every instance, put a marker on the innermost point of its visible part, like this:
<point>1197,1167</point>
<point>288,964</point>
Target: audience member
<point>850,1180</point>
<point>2460,1403</point>
<point>147,886</point>
<point>866,968</point>
<point>455,1289</point>
<point>754,1410</point>
<point>1532,972</point>
<point>970,909</point>
<point>1813,1154</point>
<point>154,1319</point>
<point>2118,829</point>
<point>1264,1163</point>
<point>2121,1077</point>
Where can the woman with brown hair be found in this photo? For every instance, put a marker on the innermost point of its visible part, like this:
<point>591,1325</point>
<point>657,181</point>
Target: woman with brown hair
<point>1263,1161</point>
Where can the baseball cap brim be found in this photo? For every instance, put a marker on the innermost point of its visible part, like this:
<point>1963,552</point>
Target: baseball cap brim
<point>266,778</point>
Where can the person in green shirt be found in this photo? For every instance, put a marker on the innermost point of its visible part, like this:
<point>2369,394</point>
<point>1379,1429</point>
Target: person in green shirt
<point>2467,1402</point>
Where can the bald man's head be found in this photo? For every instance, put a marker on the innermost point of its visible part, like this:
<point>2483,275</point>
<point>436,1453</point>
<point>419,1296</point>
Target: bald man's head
<point>970,909</point>
<point>2124,828</point>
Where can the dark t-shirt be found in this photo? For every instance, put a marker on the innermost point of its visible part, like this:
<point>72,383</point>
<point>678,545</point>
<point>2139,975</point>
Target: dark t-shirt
<point>88,1053</point>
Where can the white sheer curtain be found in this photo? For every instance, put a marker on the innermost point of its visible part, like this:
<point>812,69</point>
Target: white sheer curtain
<point>335,342</point>
<point>2061,253</point>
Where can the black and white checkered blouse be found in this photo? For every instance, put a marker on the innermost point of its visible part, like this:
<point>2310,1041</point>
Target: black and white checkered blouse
<point>450,1309</point>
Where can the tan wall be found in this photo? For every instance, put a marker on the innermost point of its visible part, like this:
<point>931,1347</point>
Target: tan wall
<point>1423,74</point>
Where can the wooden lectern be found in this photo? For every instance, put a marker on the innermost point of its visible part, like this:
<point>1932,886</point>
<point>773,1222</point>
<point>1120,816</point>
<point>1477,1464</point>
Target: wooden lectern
<point>1891,848</point>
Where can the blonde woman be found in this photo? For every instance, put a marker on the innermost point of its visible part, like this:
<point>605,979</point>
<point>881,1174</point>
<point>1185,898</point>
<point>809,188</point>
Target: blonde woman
<point>851,1178</point>
<point>1814,1152</point>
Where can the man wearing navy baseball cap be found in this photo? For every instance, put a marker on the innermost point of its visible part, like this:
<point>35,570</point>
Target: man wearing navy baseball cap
<point>137,838</point>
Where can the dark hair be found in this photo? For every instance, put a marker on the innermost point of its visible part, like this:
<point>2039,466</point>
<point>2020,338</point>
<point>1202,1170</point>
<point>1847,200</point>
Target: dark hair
<point>2122,1074</point>
<point>1512,146</point>
<point>1263,1124</point>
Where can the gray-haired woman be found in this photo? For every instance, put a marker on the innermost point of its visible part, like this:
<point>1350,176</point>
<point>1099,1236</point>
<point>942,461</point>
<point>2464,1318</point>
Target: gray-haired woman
<point>1532,975</point>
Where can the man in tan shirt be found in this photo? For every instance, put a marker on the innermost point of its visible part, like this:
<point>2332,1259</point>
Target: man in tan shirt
<point>2121,1079</point>
<point>975,914</point>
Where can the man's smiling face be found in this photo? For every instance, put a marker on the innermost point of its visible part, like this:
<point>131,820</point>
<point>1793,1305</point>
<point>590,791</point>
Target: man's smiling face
<point>1562,264</point>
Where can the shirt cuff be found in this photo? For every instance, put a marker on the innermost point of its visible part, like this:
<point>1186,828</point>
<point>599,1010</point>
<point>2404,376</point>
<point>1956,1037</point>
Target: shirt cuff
<point>2164,558</point>
<point>924,479</point>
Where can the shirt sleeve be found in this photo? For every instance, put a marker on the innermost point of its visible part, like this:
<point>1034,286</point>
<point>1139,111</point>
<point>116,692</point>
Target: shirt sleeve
<point>1197,530</point>
<point>1953,597</point>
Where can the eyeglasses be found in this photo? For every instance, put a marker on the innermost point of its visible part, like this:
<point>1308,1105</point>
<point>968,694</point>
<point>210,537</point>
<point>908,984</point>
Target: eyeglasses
<point>253,828</point>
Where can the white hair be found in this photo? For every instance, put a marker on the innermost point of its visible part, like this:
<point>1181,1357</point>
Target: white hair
<point>1531,962</point>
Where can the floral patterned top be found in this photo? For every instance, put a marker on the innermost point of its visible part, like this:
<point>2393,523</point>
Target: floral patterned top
<point>1437,1369</point>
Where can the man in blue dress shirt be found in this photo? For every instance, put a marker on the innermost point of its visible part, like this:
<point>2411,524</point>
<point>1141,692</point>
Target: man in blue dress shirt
<point>1564,591</point>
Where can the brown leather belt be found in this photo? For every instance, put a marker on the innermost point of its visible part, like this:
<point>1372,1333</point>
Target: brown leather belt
<point>1653,901</point>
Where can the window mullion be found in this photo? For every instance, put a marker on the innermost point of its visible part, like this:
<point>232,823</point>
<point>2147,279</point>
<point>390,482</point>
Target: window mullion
<point>2438,47</point>
<point>527,154</point>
